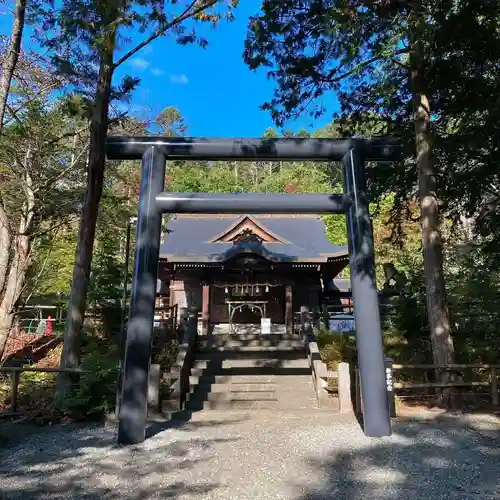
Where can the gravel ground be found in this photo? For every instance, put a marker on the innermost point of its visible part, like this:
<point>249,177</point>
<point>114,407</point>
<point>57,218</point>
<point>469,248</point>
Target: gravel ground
<point>238,456</point>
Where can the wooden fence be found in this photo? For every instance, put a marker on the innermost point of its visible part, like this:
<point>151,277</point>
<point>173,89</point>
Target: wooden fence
<point>491,383</point>
<point>15,376</point>
<point>165,318</point>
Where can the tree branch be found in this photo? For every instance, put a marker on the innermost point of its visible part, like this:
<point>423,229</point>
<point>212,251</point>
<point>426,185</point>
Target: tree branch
<point>164,28</point>
<point>61,174</point>
<point>29,100</point>
<point>14,116</point>
<point>55,226</point>
<point>67,134</point>
<point>38,276</point>
<point>368,62</point>
<point>400,64</point>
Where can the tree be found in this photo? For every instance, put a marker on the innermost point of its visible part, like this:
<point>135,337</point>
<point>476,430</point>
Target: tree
<point>12,56</point>
<point>437,309</point>
<point>87,54</point>
<point>171,123</point>
<point>39,161</point>
<point>351,47</point>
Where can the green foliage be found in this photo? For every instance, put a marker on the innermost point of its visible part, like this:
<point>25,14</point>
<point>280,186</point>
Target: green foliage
<point>473,285</point>
<point>171,123</point>
<point>94,394</point>
<point>81,35</point>
<point>40,187</point>
<point>36,153</point>
<point>474,296</point>
<point>312,48</point>
<point>361,52</point>
<point>35,395</point>
<point>405,326</point>
<point>36,391</point>
<point>53,264</point>
<point>165,354</point>
<point>336,229</point>
<point>336,348</point>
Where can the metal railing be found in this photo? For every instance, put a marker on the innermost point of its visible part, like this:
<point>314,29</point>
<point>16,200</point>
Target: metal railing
<point>35,326</point>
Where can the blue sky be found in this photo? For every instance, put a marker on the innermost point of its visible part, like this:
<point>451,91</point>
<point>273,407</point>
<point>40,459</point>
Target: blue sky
<point>212,88</point>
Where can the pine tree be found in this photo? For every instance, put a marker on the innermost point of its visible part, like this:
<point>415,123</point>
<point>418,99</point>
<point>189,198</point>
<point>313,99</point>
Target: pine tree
<point>376,49</point>
<point>84,36</point>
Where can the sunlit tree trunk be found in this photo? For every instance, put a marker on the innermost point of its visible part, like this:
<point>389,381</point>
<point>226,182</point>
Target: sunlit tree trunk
<point>11,57</point>
<point>88,221</point>
<point>19,258</point>
<point>437,309</point>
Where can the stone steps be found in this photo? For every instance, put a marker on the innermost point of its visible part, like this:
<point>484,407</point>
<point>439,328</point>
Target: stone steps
<point>252,372</point>
<point>284,380</point>
<point>303,397</point>
<point>203,386</point>
<point>251,339</point>
<point>218,362</point>
<point>231,387</point>
<point>303,383</point>
<point>249,354</point>
<point>232,348</point>
<point>234,396</point>
<point>251,405</point>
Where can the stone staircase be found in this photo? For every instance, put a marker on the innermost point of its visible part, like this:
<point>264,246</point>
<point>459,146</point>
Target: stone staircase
<point>249,371</point>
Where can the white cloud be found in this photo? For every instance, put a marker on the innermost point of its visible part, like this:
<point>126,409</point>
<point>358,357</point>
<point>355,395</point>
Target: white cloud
<point>181,79</point>
<point>157,72</point>
<point>139,63</point>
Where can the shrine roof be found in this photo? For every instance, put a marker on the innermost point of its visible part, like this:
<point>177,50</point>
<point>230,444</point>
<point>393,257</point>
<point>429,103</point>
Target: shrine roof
<point>216,238</point>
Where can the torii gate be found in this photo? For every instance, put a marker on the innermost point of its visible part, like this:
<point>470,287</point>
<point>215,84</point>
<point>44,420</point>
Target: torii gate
<point>153,202</point>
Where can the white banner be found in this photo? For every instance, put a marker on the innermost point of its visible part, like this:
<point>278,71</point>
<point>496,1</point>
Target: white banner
<point>265,325</point>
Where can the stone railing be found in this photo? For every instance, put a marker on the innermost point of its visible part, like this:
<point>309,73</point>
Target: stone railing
<point>181,368</point>
<point>320,372</point>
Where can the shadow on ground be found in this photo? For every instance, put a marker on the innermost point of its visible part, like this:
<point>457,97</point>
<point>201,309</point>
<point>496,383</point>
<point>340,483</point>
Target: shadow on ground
<point>84,462</point>
<point>446,457</point>
<point>278,457</point>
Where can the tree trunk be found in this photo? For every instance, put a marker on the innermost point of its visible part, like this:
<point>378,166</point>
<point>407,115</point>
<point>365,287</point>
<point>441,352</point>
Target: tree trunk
<point>86,233</point>
<point>5,249</point>
<point>16,278</point>
<point>437,310</point>
<point>18,258</point>
<point>6,324</point>
<point>15,282</point>
<point>11,57</point>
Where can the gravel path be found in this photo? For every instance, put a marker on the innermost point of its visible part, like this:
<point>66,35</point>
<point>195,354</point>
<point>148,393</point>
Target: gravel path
<point>307,456</point>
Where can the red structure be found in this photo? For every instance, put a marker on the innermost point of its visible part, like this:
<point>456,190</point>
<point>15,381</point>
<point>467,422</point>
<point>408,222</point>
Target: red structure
<point>48,326</point>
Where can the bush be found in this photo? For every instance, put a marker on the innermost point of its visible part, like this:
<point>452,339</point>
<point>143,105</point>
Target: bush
<point>35,396</point>
<point>165,355</point>
<point>5,385</point>
<point>94,394</point>
<point>336,348</point>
